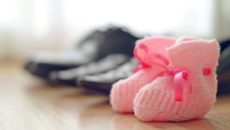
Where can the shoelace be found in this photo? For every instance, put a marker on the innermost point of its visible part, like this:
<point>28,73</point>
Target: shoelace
<point>179,74</point>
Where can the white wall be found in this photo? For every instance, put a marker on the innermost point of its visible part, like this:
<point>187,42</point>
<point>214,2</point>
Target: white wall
<point>28,25</point>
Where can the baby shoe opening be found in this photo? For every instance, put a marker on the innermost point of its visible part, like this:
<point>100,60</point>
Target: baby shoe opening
<point>183,39</point>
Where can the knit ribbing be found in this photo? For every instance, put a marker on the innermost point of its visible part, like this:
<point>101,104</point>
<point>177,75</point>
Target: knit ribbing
<point>124,91</point>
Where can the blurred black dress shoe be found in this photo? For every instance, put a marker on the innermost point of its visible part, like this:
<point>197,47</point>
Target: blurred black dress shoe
<point>224,45</point>
<point>41,64</point>
<point>223,70</point>
<point>70,76</point>
<point>95,47</point>
<point>103,82</point>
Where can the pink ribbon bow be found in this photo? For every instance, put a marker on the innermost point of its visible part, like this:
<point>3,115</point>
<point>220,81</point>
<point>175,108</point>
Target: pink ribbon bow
<point>145,62</point>
<point>179,77</point>
<point>178,74</point>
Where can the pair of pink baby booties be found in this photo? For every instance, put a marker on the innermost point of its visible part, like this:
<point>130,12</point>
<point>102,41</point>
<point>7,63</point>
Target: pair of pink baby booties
<point>176,80</point>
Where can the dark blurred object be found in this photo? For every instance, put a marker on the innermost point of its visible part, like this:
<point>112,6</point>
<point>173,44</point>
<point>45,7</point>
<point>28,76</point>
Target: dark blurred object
<point>70,76</point>
<point>224,45</point>
<point>103,82</point>
<point>42,65</point>
<point>96,46</point>
<point>223,70</point>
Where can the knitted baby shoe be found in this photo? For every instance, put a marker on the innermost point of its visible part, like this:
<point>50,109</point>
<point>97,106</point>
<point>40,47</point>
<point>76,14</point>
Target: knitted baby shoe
<point>123,92</point>
<point>185,91</point>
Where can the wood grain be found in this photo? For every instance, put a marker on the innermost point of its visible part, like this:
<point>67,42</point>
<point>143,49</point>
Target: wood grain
<point>28,103</point>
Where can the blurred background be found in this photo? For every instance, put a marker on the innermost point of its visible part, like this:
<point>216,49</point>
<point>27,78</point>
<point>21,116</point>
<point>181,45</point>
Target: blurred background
<point>27,26</point>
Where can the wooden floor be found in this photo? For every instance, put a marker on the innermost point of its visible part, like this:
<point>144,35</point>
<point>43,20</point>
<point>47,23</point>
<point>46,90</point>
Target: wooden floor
<point>27,103</point>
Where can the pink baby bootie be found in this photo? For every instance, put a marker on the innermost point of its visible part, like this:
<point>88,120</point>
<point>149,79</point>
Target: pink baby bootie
<point>149,50</point>
<point>187,88</point>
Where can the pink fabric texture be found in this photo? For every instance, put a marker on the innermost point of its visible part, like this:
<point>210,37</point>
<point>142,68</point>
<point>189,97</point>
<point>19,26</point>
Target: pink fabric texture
<point>199,59</point>
<point>124,91</point>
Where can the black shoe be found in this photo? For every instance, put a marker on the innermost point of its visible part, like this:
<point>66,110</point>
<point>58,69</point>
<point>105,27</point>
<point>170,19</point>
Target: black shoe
<point>223,69</point>
<point>93,48</point>
<point>41,64</point>
<point>70,76</point>
<point>103,82</point>
<point>224,45</point>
